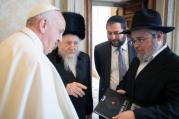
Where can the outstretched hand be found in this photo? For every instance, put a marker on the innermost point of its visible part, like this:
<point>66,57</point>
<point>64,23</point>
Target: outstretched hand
<point>76,89</point>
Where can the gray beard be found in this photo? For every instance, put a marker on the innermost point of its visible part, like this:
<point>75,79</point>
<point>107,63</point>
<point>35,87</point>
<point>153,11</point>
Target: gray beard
<point>70,62</point>
<point>148,56</point>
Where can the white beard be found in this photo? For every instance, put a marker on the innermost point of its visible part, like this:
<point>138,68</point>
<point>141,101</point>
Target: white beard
<point>70,62</point>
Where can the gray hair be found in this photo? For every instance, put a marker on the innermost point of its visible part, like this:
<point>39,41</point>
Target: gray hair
<point>154,34</point>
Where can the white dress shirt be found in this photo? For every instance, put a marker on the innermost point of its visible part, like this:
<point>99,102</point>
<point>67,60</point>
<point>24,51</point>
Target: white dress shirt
<point>114,77</point>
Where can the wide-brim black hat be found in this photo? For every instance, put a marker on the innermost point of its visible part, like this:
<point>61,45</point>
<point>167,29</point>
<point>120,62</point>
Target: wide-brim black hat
<point>75,24</point>
<point>149,19</point>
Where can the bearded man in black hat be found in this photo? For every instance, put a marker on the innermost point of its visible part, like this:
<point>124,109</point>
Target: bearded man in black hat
<point>74,65</point>
<point>152,81</point>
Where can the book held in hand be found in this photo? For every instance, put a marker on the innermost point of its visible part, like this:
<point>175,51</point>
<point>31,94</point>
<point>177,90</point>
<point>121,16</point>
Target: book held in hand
<point>111,104</point>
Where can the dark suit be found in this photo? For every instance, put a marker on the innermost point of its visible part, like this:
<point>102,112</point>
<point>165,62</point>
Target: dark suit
<point>102,56</point>
<point>156,87</point>
<point>84,105</point>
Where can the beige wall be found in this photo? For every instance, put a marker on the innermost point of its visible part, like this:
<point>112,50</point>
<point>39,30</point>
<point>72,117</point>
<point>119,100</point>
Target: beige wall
<point>78,7</point>
<point>13,15</point>
<point>170,17</point>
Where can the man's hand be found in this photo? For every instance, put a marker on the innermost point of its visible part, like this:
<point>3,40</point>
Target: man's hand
<point>120,91</point>
<point>76,89</point>
<point>125,115</point>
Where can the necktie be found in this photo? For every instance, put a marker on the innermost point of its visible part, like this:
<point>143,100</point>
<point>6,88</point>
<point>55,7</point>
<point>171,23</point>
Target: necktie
<point>122,66</point>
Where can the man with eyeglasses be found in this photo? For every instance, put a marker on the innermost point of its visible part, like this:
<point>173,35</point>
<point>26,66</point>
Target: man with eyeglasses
<point>152,81</point>
<point>112,57</point>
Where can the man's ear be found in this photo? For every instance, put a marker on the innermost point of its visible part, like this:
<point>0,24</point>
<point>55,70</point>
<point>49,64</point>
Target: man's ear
<point>160,35</point>
<point>42,25</point>
<point>160,38</point>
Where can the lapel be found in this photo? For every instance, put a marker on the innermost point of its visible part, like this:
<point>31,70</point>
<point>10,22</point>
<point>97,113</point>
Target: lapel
<point>131,51</point>
<point>83,69</point>
<point>133,68</point>
<point>107,62</point>
<point>78,67</point>
<point>67,76</point>
<point>128,83</point>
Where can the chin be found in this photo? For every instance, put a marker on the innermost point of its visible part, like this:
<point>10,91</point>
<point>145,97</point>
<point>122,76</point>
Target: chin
<point>70,55</point>
<point>46,53</point>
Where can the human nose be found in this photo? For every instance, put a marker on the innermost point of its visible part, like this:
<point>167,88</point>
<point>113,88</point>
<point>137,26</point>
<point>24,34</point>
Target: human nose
<point>112,36</point>
<point>137,44</point>
<point>72,46</point>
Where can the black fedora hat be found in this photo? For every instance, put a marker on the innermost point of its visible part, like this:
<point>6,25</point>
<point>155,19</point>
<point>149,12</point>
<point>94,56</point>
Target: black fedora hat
<point>149,19</point>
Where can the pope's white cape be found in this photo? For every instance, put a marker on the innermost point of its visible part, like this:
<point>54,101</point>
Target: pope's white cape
<point>30,87</point>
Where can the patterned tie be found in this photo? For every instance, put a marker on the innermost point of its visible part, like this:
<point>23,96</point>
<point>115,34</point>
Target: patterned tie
<point>122,66</point>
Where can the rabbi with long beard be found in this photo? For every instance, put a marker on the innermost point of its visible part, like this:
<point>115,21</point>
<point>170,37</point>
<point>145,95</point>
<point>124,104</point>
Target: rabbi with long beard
<point>74,65</point>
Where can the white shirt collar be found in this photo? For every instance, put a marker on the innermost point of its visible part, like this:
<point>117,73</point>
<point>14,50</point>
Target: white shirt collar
<point>160,50</point>
<point>124,46</point>
<point>33,37</point>
<point>155,54</point>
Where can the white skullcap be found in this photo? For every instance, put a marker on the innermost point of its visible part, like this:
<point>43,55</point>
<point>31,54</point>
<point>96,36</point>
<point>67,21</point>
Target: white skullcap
<point>41,8</point>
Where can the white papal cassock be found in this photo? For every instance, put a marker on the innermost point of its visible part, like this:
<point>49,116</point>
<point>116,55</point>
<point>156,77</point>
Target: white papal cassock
<point>30,87</point>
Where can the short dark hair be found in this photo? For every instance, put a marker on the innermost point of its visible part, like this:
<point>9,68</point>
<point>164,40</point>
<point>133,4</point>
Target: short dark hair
<point>117,19</point>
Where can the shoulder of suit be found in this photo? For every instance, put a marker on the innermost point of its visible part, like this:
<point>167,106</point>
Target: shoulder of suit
<point>129,41</point>
<point>103,45</point>
<point>83,55</point>
<point>54,56</point>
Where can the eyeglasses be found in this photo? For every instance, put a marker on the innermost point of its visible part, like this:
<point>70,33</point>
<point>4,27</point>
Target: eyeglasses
<point>140,40</point>
<point>115,33</point>
<point>143,38</point>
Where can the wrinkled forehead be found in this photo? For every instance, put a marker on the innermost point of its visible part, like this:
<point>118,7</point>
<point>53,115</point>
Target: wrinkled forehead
<point>70,38</point>
<point>114,28</point>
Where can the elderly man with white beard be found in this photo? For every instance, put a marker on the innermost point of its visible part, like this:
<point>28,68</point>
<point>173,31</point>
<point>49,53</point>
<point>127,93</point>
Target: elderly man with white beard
<point>74,65</point>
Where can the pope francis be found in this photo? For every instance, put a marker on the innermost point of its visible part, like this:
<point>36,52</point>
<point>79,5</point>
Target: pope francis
<point>30,87</point>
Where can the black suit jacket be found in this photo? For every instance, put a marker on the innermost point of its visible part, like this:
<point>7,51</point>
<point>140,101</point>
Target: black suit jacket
<point>156,87</point>
<point>84,105</point>
<point>102,56</point>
